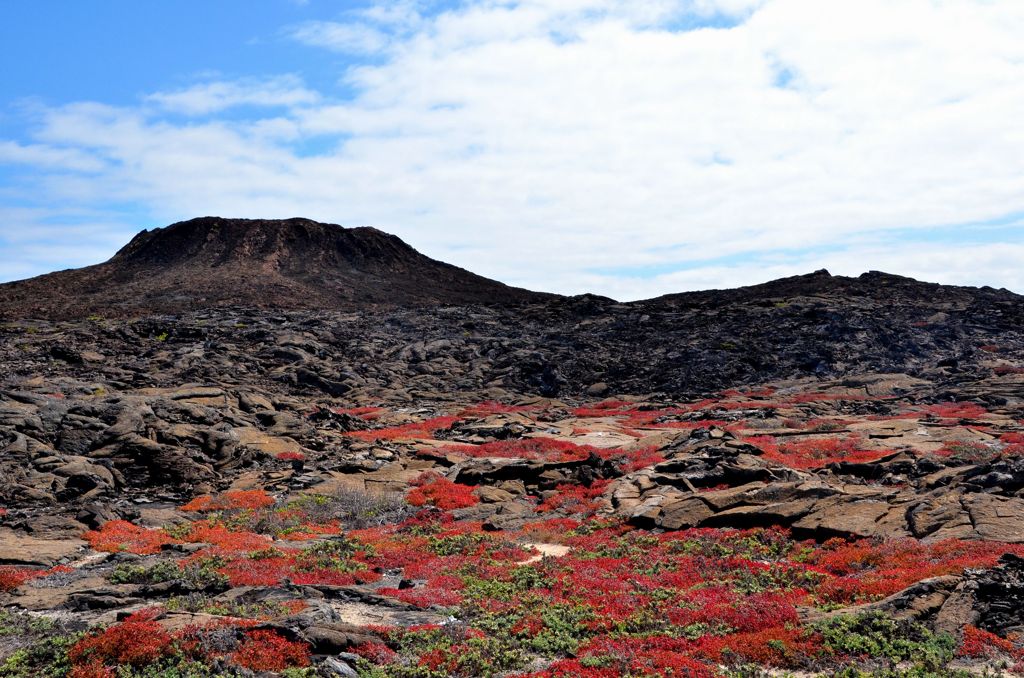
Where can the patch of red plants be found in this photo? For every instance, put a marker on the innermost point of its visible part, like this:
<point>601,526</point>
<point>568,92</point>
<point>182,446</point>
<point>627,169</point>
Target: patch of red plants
<point>815,452</point>
<point>137,641</point>
<point>290,456</point>
<point>121,535</point>
<point>238,499</point>
<point>575,499</point>
<point>980,644</point>
<point>533,449</point>
<point>956,410</point>
<point>11,577</point>
<point>264,650</point>
<point>868,570</point>
<point>413,430</point>
<point>224,539</point>
<point>629,461</point>
<point>375,652</point>
<point>436,490</point>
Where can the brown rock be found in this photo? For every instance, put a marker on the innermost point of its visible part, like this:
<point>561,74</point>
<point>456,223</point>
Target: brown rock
<point>683,513</point>
<point>18,549</point>
<point>336,638</point>
<point>997,518</point>
<point>842,518</point>
<point>492,495</point>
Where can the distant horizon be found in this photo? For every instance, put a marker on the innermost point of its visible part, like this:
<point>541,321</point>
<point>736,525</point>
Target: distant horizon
<point>627,149</point>
<point>705,289</point>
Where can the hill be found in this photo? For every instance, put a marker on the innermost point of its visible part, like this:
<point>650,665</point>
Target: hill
<point>214,262</point>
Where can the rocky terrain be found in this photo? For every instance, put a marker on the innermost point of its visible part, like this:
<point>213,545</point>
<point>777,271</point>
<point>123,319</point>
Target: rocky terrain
<point>322,475</point>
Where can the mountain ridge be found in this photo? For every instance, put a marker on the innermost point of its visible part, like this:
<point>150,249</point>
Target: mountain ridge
<point>302,264</point>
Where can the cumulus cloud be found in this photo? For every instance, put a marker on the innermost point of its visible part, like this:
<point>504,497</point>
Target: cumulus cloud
<point>563,145</point>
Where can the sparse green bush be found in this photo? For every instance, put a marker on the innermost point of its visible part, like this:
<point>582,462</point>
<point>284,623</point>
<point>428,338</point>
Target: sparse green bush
<point>879,637</point>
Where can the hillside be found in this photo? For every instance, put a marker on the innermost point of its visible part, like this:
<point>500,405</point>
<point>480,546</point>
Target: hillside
<point>213,262</point>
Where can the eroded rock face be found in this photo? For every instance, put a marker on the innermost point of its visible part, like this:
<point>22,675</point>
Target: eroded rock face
<point>721,482</point>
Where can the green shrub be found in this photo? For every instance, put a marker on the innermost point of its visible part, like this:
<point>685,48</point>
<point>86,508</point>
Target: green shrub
<point>878,637</point>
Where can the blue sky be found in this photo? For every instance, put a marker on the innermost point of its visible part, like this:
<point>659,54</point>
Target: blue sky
<point>624,148</point>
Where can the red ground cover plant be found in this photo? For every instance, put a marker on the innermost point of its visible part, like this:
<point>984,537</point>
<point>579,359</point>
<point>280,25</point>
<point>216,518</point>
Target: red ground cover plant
<point>868,570</point>
<point>410,431</point>
<point>621,600</point>
<point>376,652</point>
<point>775,646</point>
<point>608,658</point>
<point>140,641</point>
<point>815,452</point>
<point>956,410</point>
<point>979,644</point>
<point>575,499</point>
<point>225,540</point>
<point>264,650</point>
<point>238,499</point>
<point>290,456</point>
<point>604,408</point>
<point>629,461</point>
<point>729,597</point>
<point>1013,444</point>
<point>121,535</point>
<point>250,559</point>
<point>137,641</point>
<point>550,531</point>
<point>436,490</point>
<point>12,577</point>
<point>533,449</point>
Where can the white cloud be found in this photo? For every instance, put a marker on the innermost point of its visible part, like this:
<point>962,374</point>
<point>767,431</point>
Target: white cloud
<point>340,37</point>
<point>213,97</point>
<point>539,141</point>
<point>40,155</point>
